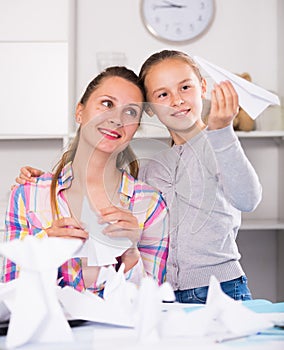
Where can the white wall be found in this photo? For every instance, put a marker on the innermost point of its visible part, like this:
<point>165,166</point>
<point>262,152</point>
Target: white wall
<point>243,37</point>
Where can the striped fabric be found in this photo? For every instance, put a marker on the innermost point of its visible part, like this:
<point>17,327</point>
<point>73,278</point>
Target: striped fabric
<point>29,213</point>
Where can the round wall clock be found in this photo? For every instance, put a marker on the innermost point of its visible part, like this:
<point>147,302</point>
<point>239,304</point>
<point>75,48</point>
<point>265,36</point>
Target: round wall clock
<point>177,21</point>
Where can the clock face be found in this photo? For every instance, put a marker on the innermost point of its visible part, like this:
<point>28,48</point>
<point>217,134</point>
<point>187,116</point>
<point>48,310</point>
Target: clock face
<point>177,20</point>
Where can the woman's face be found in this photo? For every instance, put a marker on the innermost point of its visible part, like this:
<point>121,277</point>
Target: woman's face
<point>111,115</point>
<point>175,94</point>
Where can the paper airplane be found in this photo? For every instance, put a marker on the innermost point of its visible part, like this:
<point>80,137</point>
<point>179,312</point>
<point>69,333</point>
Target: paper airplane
<point>252,98</point>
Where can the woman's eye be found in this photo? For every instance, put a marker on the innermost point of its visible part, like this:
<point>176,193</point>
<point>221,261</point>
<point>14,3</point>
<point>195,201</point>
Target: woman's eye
<point>107,103</point>
<point>132,112</point>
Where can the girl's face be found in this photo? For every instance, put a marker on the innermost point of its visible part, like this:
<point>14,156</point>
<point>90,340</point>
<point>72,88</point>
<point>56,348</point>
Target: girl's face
<point>175,94</point>
<point>111,115</point>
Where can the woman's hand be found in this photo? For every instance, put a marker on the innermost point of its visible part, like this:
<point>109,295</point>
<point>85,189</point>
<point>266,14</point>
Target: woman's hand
<point>224,105</point>
<point>122,223</point>
<point>66,228</point>
<point>27,173</point>
<point>130,258</point>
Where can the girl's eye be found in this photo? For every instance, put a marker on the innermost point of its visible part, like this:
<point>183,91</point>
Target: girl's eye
<point>162,95</point>
<point>107,103</point>
<point>185,87</point>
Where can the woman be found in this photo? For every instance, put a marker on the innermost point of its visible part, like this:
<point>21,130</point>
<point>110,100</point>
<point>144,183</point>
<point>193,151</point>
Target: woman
<point>109,113</point>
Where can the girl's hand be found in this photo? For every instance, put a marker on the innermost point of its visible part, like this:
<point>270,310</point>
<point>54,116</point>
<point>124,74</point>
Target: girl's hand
<point>224,105</point>
<point>66,228</point>
<point>122,223</point>
<point>28,173</point>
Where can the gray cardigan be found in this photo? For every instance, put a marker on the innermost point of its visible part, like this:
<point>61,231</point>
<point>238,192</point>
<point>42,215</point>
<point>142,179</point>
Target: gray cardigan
<point>207,183</point>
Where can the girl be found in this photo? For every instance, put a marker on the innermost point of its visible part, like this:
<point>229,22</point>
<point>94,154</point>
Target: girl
<point>204,177</point>
<point>109,114</point>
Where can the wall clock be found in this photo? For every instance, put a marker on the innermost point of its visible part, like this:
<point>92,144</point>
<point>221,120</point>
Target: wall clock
<point>177,21</point>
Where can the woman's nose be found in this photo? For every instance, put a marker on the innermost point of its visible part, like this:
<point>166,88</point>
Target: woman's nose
<point>116,119</point>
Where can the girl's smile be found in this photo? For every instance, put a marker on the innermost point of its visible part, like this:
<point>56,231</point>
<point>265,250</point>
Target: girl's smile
<point>181,113</point>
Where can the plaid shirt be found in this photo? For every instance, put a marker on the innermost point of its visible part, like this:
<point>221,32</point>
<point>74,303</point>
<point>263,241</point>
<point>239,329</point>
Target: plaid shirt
<point>29,213</point>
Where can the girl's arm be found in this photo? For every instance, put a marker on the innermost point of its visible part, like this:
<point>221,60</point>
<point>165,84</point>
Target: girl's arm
<point>28,173</point>
<point>238,178</point>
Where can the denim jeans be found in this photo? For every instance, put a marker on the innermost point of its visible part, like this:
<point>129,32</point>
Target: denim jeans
<point>236,289</point>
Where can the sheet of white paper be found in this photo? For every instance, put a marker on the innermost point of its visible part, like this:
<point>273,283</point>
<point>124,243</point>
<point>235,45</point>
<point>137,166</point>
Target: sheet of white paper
<point>148,311</point>
<point>7,297</point>
<point>99,249</point>
<point>90,307</point>
<point>229,312</point>
<point>120,293</point>
<point>36,314</point>
<point>221,317</point>
<point>252,98</point>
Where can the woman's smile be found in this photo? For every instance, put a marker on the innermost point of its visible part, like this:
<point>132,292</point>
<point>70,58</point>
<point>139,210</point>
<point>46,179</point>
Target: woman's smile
<point>109,134</point>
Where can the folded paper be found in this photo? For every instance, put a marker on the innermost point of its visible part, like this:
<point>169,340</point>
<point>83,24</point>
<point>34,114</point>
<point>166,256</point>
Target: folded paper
<point>90,307</point>
<point>252,98</point>
<point>100,249</point>
<point>36,315</point>
<point>220,318</point>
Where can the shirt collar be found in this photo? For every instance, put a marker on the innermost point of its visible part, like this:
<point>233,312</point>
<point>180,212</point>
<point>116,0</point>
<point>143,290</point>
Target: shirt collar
<point>127,184</point>
<point>66,177</point>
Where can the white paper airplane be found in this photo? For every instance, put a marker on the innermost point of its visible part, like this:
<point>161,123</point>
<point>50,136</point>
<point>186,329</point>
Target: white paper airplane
<point>252,98</point>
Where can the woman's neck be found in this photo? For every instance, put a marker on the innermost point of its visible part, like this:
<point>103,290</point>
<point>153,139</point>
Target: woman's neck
<point>96,177</point>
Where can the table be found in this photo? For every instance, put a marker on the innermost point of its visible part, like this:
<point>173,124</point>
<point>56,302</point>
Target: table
<point>94,336</point>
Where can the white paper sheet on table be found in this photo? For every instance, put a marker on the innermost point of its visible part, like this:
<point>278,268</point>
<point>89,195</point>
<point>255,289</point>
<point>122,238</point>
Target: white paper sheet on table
<point>219,318</point>
<point>36,315</point>
<point>116,308</point>
<point>100,249</point>
<point>252,98</point>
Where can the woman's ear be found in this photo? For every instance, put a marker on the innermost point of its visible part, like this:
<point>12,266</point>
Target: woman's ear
<point>78,114</point>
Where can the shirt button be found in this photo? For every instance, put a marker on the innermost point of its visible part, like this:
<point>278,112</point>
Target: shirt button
<point>175,265</point>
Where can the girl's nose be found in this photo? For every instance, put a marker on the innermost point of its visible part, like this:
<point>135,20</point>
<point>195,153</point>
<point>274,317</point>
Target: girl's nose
<point>177,100</point>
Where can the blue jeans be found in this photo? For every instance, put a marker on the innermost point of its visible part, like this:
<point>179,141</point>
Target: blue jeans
<point>236,289</point>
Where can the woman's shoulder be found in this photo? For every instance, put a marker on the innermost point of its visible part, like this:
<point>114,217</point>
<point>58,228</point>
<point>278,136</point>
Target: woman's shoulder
<point>140,185</point>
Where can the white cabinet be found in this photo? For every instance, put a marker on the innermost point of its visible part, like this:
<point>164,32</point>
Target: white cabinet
<point>33,88</point>
<point>37,84</point>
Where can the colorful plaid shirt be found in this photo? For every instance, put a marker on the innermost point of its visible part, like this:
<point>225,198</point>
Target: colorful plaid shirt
<point>29,213</point>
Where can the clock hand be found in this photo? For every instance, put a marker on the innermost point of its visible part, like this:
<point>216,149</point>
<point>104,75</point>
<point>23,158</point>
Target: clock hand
<point>169,4</point>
